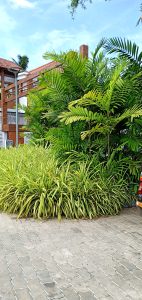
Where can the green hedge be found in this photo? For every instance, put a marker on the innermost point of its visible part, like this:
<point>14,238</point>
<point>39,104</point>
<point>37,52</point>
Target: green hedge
<point>34,184</point>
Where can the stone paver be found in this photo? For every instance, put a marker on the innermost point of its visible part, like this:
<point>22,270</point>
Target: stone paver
<point>71,260</point>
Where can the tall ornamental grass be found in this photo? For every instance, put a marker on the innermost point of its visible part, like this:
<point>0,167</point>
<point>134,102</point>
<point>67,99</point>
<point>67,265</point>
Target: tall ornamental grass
<point>33,183</point>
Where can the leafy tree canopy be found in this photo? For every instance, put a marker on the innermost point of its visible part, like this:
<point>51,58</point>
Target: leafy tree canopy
<point>75,3</point>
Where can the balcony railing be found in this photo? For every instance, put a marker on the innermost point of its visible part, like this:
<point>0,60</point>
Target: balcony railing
<point>12,118</point>
<point>24,86</point>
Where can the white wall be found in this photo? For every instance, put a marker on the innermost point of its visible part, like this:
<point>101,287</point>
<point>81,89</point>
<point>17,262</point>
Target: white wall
<point>23,101</point>
<point>3,135</point>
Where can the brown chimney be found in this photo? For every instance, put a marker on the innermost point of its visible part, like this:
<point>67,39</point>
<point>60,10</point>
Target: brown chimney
<point>84,51</point>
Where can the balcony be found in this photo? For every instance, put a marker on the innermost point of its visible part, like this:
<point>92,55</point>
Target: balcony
<point>11,118</point>
<point>12,128</point>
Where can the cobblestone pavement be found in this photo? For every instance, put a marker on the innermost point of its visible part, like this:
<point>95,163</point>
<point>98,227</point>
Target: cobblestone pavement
<point>71,260</point>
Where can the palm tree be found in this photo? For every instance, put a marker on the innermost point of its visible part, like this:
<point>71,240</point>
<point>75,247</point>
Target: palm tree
<point>98,102</point>
<point>74,77</point>
<point>22,61</point>
<point>110,113</point>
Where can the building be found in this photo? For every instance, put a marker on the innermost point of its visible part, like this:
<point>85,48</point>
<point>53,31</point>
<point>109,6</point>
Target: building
<point>25,82</point>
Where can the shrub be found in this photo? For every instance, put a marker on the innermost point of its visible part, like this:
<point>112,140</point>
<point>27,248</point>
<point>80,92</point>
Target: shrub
<point>33,183</point>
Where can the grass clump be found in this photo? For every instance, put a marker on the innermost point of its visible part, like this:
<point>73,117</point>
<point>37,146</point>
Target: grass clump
<point>33,183</point>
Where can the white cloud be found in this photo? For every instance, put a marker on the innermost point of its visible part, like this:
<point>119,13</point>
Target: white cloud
<point>59,40</point>
<point>23,3</point>
<point>7,23</point>
<point>13,51</point>
<point>36,36</point>
<point>63,40</point>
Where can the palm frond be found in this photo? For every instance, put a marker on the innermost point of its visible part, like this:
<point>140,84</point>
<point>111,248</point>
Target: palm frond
<point>99,128</point>
<point>93,97</point>
<point>80,114</point>
<point>134,112</point>
<point>116,81</point>
<point>54,83</point>
<point>74,69</point>
<point>133,142</point>
<point>140,18</point>
<point>139,21</point>
<point>54,56</point>
<point>125,48</point>
<point>98,47</point>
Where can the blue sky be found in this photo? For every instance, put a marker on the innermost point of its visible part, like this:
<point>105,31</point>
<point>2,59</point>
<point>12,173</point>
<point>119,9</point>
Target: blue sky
<point>33,27</point>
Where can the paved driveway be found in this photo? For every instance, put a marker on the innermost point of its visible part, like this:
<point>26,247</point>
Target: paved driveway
<point>72,260</point>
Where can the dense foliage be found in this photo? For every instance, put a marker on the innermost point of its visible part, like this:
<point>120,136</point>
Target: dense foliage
<point>33,183</point>
<point>92,106</point>
<point>86,115</point>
